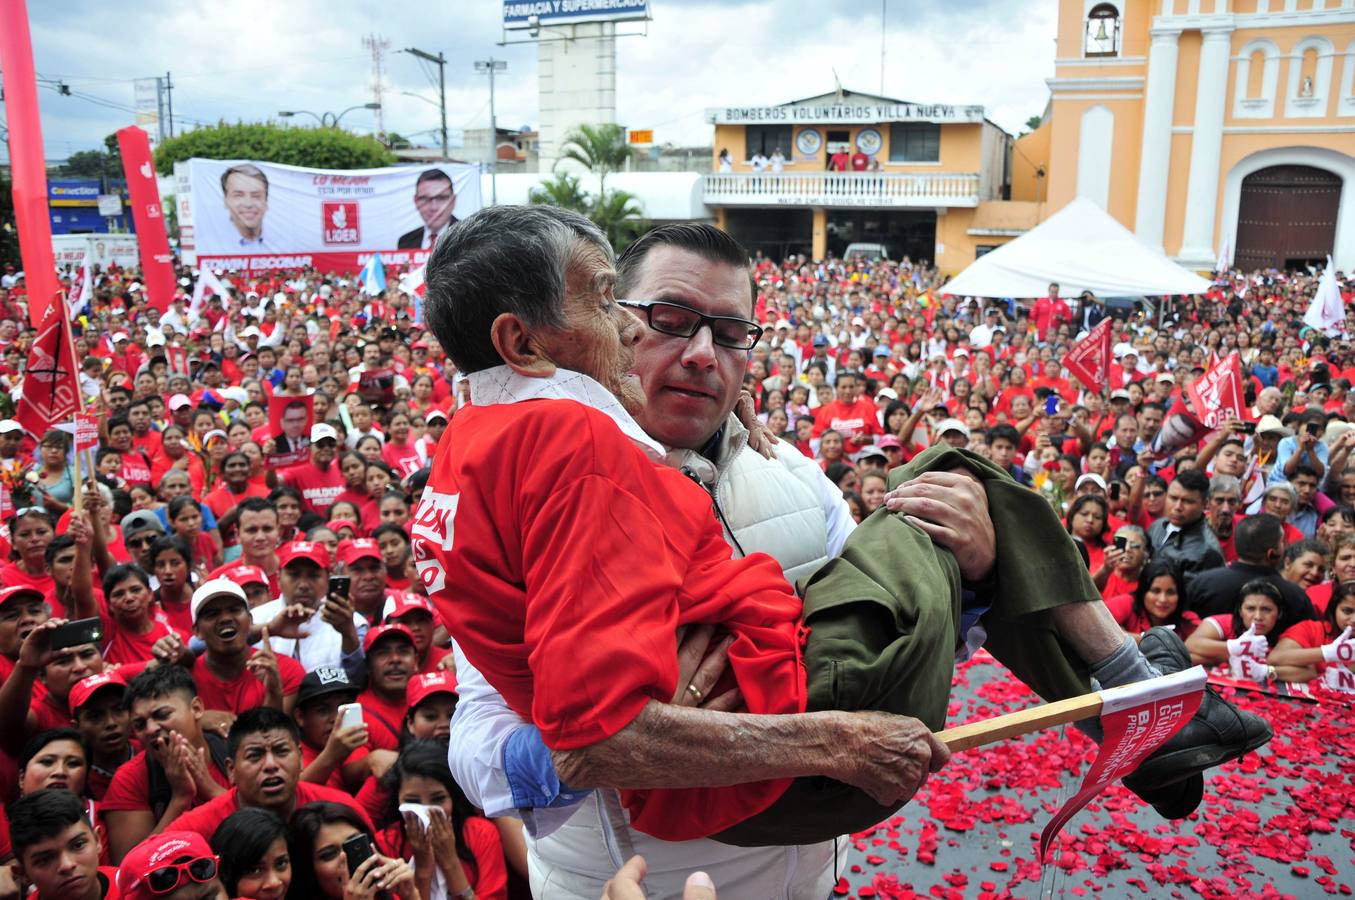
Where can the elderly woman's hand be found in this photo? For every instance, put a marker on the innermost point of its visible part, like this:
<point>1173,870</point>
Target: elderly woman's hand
<point>760,437</point>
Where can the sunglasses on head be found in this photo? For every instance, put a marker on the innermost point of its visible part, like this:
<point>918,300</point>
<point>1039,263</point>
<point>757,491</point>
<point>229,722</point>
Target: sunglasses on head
<point>167,878</point>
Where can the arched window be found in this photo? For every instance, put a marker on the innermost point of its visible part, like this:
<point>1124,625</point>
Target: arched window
<point>1256,74</point>
<point>1102,37</point>
<point>1307,73</point>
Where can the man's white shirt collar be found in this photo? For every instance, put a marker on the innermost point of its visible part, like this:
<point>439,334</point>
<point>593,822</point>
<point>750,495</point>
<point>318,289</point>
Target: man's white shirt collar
<point>501,384</point>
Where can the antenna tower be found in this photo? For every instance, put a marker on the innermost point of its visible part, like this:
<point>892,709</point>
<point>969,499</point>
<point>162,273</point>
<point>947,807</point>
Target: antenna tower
<point>378,45</point>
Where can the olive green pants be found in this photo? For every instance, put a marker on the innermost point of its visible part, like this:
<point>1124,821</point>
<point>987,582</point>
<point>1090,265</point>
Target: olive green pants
<point>884,622</point>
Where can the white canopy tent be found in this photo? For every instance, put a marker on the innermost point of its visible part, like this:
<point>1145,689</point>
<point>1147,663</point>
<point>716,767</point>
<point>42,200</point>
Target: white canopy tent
<point>1083,249</point>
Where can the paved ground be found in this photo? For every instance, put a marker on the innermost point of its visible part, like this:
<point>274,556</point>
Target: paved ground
<point>1278,823</point>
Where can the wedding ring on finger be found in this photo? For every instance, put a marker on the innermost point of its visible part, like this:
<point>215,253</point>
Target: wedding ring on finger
<point>695,692</point>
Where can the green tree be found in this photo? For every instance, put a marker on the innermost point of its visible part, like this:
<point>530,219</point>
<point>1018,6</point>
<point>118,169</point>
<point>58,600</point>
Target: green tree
<point>1034,122</point>
<point>563,191</point>
<point>9,236</point>
<point>85,164</point>
<point>396,141</point>
<point>601,149</point>
<point>319,148</point>
<point>618,214</point>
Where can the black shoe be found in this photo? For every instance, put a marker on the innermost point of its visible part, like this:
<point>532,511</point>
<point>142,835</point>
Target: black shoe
<point>1171,779</point>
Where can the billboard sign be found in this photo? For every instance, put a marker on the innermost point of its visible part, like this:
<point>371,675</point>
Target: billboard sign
<point>104,250</point>
<point>259,216</point>
<point>846,113</point>
<point>73,192</point>
<point>518,14</point>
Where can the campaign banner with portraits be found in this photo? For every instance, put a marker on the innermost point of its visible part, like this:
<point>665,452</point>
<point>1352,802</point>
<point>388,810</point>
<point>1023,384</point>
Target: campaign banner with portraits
<point>259,216</point>
<point>289,427</point>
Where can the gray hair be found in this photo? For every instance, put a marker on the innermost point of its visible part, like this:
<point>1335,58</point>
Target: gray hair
<point>1135,532</point>
<point>1225,484</point>
<point>503,259</point>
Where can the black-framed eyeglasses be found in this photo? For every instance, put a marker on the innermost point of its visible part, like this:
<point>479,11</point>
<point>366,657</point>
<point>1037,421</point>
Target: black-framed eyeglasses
<point>685,322</point>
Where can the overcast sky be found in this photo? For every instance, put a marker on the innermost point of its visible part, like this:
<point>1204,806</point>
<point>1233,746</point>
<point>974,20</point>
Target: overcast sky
<point>248,59</point>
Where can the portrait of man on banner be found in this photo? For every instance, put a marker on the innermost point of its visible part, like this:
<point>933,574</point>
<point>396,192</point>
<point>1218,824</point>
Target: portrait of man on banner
<point>289,424</point>
<point>245,190</point>
<point>435,201</point>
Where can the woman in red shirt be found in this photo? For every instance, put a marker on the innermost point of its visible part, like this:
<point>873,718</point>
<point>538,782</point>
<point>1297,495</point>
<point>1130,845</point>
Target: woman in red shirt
<point>185,521</point>
<point>175,454</point>
<point>399,452</point>
<point>1258,607</point>
<point>1123,562</point>
<point>1086,522</point>
<point>1298,654</point>
<point>30,531</point>
<point>130,622</point>
<point>457,850</point>
<point>1157,601</point>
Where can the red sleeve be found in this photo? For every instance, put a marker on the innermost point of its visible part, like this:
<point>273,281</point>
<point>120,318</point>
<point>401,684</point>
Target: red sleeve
<point>371,798</point>
<point>1121,607</point>
<point>1310,634</point>
<point>491,874</point>
<point>309,793</point>
<point>130,787</point>
<point>291,673</point>
<point>602,633</point>
<point>821,419</point>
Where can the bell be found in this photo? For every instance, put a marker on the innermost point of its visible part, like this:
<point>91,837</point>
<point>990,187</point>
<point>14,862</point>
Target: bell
<point>1101,30</point>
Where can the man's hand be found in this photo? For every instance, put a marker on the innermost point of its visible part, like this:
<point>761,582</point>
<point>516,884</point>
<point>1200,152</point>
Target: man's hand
<point>36,650</point>
<point>1113,557</point>
<point>168,650</point>
<point>338,613</point>
<point>343,741</point>
<point>217,721</point>
<point>264,665</point>
<point>625,885</point>
<point>889,757</point>
<point>701,661</point>
<point>287,623</point>
<point>952,508</point>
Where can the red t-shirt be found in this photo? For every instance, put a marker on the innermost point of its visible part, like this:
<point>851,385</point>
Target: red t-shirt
<point>308,754</point>
<point>130,788</point>
<point>220,500</point>
<point>544,595</point>
<point>435,656</point>
<point>178,616</point>
<point>854,421</point>
<point>246,691</point>
<point>1121,607</point>
<point>1320,594</point>
<point>403,458</point>
<point>1115,585</point>
<point>125,647</point>
<point>135,469</point>
<point>319,488</point>
<point>148,443</point>
<point>1311,634</point>
<point>384,720</point>
<point>205,818</point>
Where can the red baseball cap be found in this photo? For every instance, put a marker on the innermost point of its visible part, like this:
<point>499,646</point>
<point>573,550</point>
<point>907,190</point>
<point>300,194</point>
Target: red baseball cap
<point>157,852</point>
<point>18,590</point>
<point>241,573</point>
<point>421,687</point>
<point>335,524</point>
<point>316,553</point>
<point>354,549</point>
<point>400,602</point>
<point>86,688</point>
<point>380,631</point>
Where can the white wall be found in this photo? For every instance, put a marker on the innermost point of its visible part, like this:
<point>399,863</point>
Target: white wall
<point>1095,139</point>
<point>576,82</point>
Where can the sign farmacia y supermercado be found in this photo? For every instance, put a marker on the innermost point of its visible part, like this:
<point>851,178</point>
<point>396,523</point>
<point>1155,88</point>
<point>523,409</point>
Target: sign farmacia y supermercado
<point>845,113</point>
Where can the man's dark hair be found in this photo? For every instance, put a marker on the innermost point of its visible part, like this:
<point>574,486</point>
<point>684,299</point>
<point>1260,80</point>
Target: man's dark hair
<point>234,454</point>
<point>706,241</point>
<point>162,681</point>
<point>1304,469</point>
<point>843,375</point>
<point>62,541</point>
<point>257,721</point>
<point>249,170</point>
<point>1307,545</point>
<point>139,402</point>
<point>1004,432</point>
<point>296,404</point>
<point>42,815</point>
<point>1155,481</point>
<point>120,389</point>
<point>1194,480</point>
<point>1153,404</point>
<point>503,259</point>
<point>256,504</point>
<point>118,421</point>
<point>1257,535</point>
<point>432,175</point>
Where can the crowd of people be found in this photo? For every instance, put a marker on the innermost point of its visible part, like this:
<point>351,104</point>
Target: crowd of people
<point>181,644</point>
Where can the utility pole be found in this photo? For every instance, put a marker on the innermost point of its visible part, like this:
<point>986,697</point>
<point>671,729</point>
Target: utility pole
<point>442,87</point>
<point>491,66</point>
<point>169,103</point>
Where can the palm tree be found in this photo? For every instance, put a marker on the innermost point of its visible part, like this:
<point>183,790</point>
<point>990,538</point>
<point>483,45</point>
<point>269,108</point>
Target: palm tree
<point>618,214</point>
<point>564,191</point>
<point>601,149</point>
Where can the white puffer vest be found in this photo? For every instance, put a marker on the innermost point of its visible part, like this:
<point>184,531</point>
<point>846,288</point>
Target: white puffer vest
<point>771,506</point>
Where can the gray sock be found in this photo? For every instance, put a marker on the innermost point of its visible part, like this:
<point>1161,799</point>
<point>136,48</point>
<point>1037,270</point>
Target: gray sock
<point>1125,666</point>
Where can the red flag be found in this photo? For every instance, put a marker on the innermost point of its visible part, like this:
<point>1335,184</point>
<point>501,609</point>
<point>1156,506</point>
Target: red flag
<point>157,266</point>
<point>1136,719</point>
<point>51,388</point>
<point>27,167</point>
<point>1216,396</point>
<point>1089,359</point>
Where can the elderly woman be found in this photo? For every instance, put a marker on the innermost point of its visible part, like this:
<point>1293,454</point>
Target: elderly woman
<point>570,555</point>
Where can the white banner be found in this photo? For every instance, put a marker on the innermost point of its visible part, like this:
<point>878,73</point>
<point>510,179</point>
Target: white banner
<point>103,249</point>
<point>248,209</point>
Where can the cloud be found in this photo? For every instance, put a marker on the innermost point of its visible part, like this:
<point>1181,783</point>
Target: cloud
<point>248,59</point>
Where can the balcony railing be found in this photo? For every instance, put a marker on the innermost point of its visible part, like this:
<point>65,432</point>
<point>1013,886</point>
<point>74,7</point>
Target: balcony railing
<point>840,189</point>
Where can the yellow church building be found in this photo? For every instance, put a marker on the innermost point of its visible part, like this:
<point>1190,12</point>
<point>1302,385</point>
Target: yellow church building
<point>1207,127</point>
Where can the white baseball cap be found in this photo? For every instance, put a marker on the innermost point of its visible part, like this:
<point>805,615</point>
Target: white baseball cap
<point>1093,478</point>
<point>952,425</point>
<point>321,431</point>
<point>10,426</point>
<point>215,588</point>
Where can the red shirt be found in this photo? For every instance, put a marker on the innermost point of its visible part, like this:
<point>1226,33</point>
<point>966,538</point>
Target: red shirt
<point>246,691</point>
<point>125,647</point>
<point>130,788</point>
<point>148,443</point>
<point>854,421</point>
<point>403,458</point>
<point>1320,594</point>
<point>308,754</point>
<point>1122,608</point>
<point>544,595</point>
<point>205,818</point>
<point>319,487</point>
<point>1115,585</point>
<point>135,469</point>
<point>384,720</point>
<point>220,499</point>
<point>1311,634</point>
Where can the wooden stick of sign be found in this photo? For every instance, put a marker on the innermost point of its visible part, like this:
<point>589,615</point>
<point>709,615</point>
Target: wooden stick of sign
<point>1022,722</point>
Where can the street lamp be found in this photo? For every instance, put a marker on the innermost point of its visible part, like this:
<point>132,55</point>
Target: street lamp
<point>326,120</point>
<point>491,66</point>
